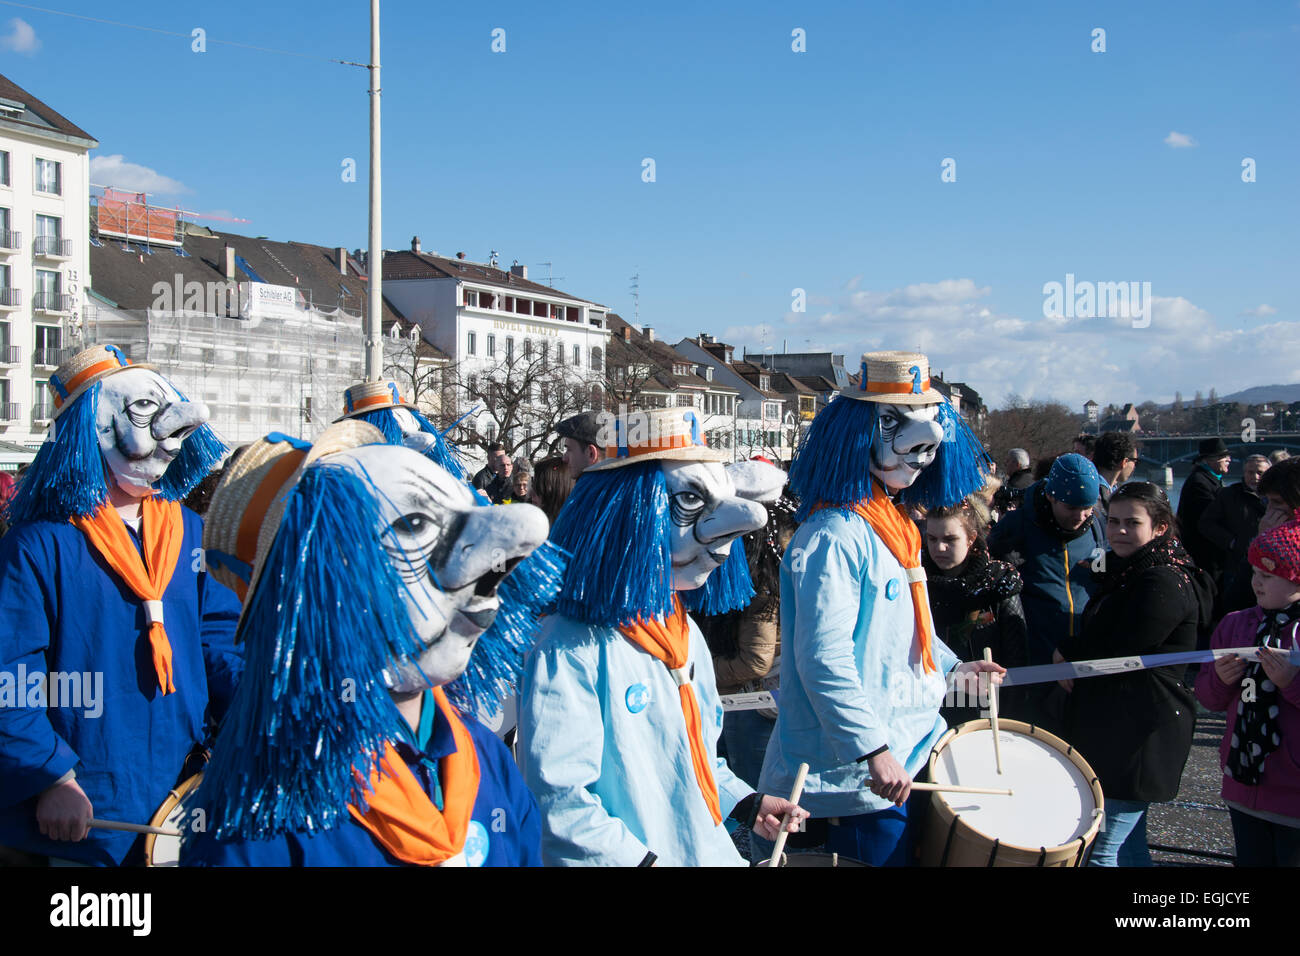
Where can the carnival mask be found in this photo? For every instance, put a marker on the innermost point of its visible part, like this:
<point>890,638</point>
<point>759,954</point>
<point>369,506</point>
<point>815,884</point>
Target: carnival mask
<point>907,439</point>
<point>142,421</point>
<point>450,553</point>
<point>708,512</point>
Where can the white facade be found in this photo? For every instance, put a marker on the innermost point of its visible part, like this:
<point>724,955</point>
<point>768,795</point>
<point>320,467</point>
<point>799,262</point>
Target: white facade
<point>481,325</point>
<point>44,265</point>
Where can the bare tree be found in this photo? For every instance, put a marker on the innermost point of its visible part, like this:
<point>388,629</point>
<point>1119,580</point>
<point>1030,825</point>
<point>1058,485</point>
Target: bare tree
<point>417,369</point>
<point>1043,429</point>
<point>518,401</point>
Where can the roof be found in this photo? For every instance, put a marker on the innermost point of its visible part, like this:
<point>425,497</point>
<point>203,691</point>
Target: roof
<point>818,383</point>
<point>39,116</point>
<point>751,372</point>
<point>405,264</point>
<point>658,354</point>
<point>128,278</point>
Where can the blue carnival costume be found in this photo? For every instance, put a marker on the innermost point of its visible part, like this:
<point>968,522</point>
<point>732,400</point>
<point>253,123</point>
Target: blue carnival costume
<point>68,619</point>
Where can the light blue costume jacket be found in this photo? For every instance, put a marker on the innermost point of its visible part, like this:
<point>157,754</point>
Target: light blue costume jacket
<point>604,750</point>
<point>851,677</point>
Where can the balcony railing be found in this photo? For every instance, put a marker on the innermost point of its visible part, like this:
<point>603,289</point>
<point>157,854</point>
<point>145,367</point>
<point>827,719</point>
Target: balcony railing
<point>52,246</point>
<point>11,239</point>
<point>11,298</point>
<point>52,302</point>
<point>43,412</point>
<point>10,411</point>
<point>50,358</point>
<point>10,354</point>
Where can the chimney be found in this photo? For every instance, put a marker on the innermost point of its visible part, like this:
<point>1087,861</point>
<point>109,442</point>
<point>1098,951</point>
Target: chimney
<point>627,333</point>
<point>518,270</point>
<point>343,260</point>
<point>415,243</point>
<point>649,333</point>
<point>228,255</point>
<point>460,255</point>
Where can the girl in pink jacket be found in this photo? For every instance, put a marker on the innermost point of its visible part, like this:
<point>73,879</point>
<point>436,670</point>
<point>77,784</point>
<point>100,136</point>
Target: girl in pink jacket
<point>1260,753</point>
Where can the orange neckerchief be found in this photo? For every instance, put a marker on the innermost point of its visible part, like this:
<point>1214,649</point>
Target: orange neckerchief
<point>404,820</point>
<point>670,641</point>
<point>903,540</point>
<point>161,529</point>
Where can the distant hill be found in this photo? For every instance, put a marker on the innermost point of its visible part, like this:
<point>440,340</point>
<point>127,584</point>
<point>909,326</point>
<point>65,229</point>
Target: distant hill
<point>1252,396</point>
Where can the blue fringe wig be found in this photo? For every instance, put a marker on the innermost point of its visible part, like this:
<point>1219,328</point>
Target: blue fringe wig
<point>441,454</point>
<point>615,526</point>
<point>68,475</point>
<point>833,464</point>
<point>497,662</point>
<point>312,710</point>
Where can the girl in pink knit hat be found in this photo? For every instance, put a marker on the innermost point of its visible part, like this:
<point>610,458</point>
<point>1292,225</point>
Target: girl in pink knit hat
<point>1260,752</point>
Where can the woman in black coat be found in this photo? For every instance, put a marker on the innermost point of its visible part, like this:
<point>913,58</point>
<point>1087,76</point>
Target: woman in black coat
<point>974,600</point>
<point>1135,729</point>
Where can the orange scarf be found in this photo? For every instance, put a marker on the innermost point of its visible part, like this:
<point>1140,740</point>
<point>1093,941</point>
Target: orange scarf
<point>903,540</point>
<point>402,818</point>
<point>161,529</point>
<point>670,641</point>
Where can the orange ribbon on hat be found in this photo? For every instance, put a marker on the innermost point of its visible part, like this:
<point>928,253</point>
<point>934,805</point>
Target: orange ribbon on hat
<point>670,642</point>
<point>400,815</point>
<point>162,528</point>
<point>901,537</point>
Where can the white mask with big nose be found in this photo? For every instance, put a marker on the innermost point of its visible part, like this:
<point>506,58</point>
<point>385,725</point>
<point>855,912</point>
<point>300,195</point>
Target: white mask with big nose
<point>142,421</point>
<point>907,439</point>
<point>706,514</point>
<point>449,552</point>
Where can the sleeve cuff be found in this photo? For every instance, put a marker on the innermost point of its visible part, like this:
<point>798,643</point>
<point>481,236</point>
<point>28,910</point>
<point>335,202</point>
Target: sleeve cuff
<point>875,753</point>
<point>647,860</point>
<point>746,811</point>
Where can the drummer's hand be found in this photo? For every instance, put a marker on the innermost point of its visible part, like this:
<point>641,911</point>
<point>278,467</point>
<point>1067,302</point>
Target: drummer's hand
<point>889,779</point>
<point>1277,665</point>
<point>770,813</point>
<point>63,812</point>
<point>994,670</point>
<point>1230,668</point>
<point>1068,684</point>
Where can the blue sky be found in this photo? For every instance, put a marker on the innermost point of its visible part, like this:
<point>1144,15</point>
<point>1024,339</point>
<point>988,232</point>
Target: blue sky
<point>774,170</point>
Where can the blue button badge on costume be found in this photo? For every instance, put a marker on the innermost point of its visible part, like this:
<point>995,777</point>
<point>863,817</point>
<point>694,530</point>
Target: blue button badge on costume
<point>891,589</point>
<point>638,698</point>
<point>477,842</point>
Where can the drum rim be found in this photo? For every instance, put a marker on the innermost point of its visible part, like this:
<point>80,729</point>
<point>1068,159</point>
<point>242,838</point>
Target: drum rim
<point>1053,741</point>
<point>174,797</point>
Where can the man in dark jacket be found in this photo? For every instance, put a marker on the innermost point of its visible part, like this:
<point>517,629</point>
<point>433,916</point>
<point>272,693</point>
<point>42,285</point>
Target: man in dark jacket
<point>1198,493</point>
<point>1114,456</point>
<point>1232,519</point>
<point>1055,542</point>
<point>494,478</point>
<point>1019,477</point>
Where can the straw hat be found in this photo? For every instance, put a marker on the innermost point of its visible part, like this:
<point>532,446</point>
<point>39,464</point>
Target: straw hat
<point>663,434</point>
<point>894,378</point>
<point>251,498</point>
<point>372,396</point>
<point>85,369</point>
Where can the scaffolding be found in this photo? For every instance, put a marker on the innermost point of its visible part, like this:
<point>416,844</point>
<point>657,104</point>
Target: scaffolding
<point>284,374</point>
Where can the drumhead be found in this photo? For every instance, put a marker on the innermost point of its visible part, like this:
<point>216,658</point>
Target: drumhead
<point>1052,802</point>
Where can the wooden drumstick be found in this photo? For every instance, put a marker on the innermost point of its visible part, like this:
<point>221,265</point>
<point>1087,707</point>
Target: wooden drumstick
<point>795,794</point>
<point>993,711</point>
<point>133,828</point>
<point>954,788</point>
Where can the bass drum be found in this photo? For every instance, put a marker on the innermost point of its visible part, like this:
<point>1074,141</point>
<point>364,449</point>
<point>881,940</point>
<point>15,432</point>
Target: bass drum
<point>1051,818</point>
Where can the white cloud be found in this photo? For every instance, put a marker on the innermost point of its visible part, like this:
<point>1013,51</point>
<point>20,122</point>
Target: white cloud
<point>959,326</point>
<point>1179,140</point>
<point>21,38</point>
<point>115,171</point>
<point>1261,311</point>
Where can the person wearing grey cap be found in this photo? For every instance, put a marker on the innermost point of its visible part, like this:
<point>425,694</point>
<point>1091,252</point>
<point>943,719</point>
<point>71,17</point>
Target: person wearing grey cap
<point>581,446</point>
